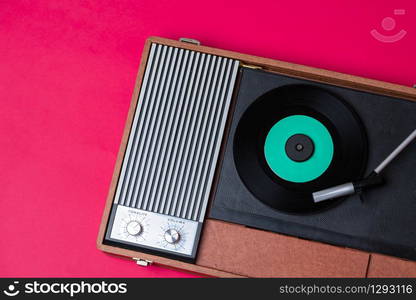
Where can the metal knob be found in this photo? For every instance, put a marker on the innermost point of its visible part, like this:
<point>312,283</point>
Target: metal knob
<point>172,236</point>
<point>134,228</point>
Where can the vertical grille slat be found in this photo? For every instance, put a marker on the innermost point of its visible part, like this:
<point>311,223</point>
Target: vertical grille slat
<point>170,133</point>
<point>161,120</point>
<point>172,148</point>
<point>176,132</point>
<point>141,132</point>
<point>148,133</point>
<point>208,141</point>
<point>178,142</point>
<point>133,133</point>
<point>164,131</point>
<point>189,105</point>
<point>143,177</point>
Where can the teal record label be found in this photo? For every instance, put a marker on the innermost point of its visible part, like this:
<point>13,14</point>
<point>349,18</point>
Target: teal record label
<point>286,168</point>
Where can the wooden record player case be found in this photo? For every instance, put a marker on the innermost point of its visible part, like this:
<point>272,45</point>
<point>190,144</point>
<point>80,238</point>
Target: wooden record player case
<point>231,250</point>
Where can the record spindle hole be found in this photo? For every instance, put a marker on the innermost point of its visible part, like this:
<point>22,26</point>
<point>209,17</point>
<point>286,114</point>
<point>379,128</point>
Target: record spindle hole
<point>299,147</point>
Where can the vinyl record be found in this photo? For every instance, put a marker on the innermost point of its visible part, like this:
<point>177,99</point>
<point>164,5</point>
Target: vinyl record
<point>296,140</point>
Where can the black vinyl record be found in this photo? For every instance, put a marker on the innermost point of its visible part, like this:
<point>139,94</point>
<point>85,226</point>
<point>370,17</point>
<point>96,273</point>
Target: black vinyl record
<point>343,124</point>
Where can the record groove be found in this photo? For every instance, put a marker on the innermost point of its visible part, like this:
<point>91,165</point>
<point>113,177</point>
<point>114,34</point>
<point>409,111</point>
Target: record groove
<point>253,154</point>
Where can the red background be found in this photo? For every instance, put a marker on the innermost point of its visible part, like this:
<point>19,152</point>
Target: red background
<point>67,71</point>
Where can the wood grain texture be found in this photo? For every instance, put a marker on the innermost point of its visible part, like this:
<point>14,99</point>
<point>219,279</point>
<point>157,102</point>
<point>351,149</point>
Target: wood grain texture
<point>228,250</point>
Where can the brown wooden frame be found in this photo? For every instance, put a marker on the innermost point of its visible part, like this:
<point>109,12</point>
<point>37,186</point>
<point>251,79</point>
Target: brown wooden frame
<point>214,259</point>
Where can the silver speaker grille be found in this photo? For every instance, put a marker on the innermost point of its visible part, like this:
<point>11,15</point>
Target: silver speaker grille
<point>176,133</point>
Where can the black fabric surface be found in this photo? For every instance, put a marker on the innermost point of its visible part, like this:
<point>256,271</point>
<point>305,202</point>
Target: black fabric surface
<point>385,222</point>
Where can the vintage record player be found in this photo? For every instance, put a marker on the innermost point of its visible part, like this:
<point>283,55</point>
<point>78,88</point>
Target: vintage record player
<point>235,165</point>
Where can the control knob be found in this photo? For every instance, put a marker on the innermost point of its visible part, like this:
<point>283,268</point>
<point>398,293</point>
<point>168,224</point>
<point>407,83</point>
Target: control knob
<point>172,236</point>
<point>134,228</point>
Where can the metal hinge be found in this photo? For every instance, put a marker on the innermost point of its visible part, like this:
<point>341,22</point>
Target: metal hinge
<point>190,41</point>
<point>142,262</point>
